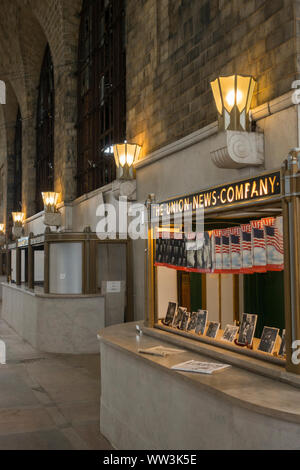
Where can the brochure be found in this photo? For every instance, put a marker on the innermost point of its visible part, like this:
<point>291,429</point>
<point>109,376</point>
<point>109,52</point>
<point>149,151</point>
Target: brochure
<point>200,367</point>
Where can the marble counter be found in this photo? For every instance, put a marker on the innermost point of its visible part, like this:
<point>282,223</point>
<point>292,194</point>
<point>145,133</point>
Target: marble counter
<point>235,409</point>
<point>64,324</point>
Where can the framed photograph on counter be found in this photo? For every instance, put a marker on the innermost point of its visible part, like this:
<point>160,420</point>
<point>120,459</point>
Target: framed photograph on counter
<point>179,316</point>
<point>201,322</point>
<point>230,333</point>
<point>170,314</point>
<point>192,322</point>
<point>212,329</point>
<point>247,329</point>
<point>268,339</point>
<point>282,350</point>
<point>185,320</point>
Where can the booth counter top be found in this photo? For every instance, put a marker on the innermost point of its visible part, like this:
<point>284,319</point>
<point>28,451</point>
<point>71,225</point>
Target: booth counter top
<point>240,387</point>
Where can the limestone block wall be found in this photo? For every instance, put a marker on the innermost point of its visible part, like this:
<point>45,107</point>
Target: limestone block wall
<point>176,47</point>
<point>26,26</point>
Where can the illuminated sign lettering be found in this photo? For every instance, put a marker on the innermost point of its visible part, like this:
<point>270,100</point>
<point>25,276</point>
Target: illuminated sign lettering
<point>258,188</point>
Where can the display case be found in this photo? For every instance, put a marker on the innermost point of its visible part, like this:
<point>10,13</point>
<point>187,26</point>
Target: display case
<point>219,280</point>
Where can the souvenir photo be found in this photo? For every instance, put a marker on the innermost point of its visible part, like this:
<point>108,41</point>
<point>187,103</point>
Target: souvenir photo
<point>192,322</point>
<point>170,314</point>
<point>282,350</point>
<point>230,333</point>
<point>184,322</point>
<point>201,322</point>
<point>268,339</point>
<point>178,317</point>
<point>212,329</point>
<point>247,329</point>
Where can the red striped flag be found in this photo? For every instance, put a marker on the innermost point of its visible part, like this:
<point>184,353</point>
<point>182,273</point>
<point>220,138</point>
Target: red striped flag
<point>274,242</point>
<point>259,252</point>
<point>246,249</point>
<point>217,251</point>
<point>226,258</point>
<point>235,248</point>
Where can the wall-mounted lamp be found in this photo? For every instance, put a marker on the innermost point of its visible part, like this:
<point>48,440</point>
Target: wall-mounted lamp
<point>233,95</point>
<point>2,234</point>
<point>50,201</point>
<point>51,215</point>
<point>234,147</point>
<point>18,219</point>
<point>125,156</point>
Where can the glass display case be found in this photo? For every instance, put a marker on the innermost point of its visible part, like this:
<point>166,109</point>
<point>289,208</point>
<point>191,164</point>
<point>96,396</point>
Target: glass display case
<point>215,267</point>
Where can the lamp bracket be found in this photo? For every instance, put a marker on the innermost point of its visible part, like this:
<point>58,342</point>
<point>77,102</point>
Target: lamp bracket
<point>237,149</point>
<point>17,231</point>
<point>125,188</point>
<point>52,219</point>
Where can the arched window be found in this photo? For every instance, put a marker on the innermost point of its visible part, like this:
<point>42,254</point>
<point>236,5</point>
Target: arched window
<point>101,90</point>
<point>45,130</point>
<point>17,203</point>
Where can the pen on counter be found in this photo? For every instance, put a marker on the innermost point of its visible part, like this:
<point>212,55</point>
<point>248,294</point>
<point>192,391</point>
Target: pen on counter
<point>152,353</point>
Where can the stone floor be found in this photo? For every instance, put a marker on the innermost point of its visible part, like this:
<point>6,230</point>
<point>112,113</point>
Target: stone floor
<point>48,401</point>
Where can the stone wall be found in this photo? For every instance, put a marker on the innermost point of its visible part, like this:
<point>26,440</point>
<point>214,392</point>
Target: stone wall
<point>26,26</point>
<point>176,47</point>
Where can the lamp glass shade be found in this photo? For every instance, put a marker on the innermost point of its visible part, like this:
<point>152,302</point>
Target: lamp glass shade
<point>18,217</point>
<point>2,228</point>
<point>126,154</point>
<point>50,199</point>
<point>242,91</point>
<point>228,92</point>
<point>233,95</point>
<point>250,94</point>
<point>215,85</point>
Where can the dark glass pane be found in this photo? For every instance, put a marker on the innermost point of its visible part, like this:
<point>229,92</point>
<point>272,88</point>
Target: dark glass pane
<point>101,98</point>
<point>18,164</point>
<point>45,131</point>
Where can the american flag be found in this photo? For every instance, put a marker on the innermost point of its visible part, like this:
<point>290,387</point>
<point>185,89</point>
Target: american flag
<point>235,239</point>
<point>217,255</point>
<point>274,241</point>
<point>225,242</point>
<point>246,248</point>
<point>235,248</point>
<point>259,248</point>
<point>274,238</point>
<point>235,244</point>
<point>226,259</point>
<point>246,237</point>
<point>218,241</point>
<point>259,238</point>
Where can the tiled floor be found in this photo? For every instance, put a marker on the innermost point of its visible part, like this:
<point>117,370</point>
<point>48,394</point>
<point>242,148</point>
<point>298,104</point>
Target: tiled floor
<point>48,401</point>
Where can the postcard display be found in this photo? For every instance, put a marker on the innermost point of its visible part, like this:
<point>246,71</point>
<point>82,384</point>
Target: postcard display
<point>245,249</point>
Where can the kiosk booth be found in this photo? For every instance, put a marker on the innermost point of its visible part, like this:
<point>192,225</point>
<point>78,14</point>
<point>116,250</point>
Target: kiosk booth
<point>244,262</point>
<point>254,403</point>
